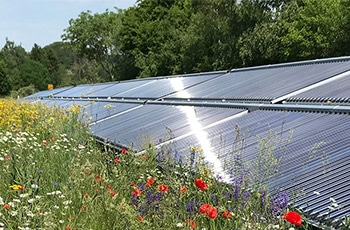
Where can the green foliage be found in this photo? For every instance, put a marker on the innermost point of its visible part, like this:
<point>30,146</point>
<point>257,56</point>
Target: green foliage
<point>31,72</point>
<point>152,34</point>
<point>24,91</point>
<point>96,37</point>
<point>4,83</point>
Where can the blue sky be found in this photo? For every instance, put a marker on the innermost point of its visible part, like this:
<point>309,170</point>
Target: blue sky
<point>42,21</point>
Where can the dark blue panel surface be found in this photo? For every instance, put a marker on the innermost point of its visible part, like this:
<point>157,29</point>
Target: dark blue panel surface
<point>166,86</point>
<point>99,110</point>
<point>267,82</point>
<point>156,123</point>
<point>47,93</point>
<point>120,87</point>
<point>83,90</point>
<point>339,88</point>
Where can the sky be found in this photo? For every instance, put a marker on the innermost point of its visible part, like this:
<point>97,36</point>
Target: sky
<point>42,21</point>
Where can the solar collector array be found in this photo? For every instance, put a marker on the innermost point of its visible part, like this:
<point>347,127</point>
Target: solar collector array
<point>175,127</point>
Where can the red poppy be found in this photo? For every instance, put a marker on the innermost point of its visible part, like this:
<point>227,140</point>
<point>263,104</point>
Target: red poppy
<point>46,143</point>
<point>136,192</point>
<point>226,214</point>
<point>52,138</point>
<point>68,227</point>
<point>116,160</point>
<point>86,195</point>
<point>183,189</point>
<point>163,188</point>
<point>293,218</point>
<point>200,184</point>
<point>8,157</point>
<point>124,151</point>
<point>208,210</point>
<point>151,181</point>
<point>191,223</point>
<point>112,193</point>
<point>6,206</point>
<point>98,179</point>
<point>132,184</point>
<point>140,218</point>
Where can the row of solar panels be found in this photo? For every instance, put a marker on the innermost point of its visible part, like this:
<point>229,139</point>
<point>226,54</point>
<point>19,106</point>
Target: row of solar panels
<point>250,112</point>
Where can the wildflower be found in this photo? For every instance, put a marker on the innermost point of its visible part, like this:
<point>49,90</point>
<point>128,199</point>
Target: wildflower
<point>14,213</point>
<point>124,151</point>
<point>68,227</point>
<point>52,138</point>
<point>8,157</point>
<point>150,181</point>
<point>24,195</point>
<point>183,189</point>
<point>67,202</point>
<point>86,195</point>
<point>40,171</point>
<point>226,214</point>
<point>17,187</point>
<point>140,218</point>
<point>6,206</point>
<point>116,160</point>
<point>179,225</point>
<point>111,191</point>
<point>132,184</point>
<point>190,223</point>
<point>279,203</point>
<point>208,210</point>
<point>190,206</point>
<point>200,184</point>
<point>55,184</point>
<point>83,208</point>
<point>293,218</point>
<point>34,186</point>
<point>136,192</point>
<point>144,156</point>
<point>45,142</point>
<point>163,188</point>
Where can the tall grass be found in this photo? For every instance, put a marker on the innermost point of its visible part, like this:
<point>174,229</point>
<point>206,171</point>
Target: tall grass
<point>54,176</point>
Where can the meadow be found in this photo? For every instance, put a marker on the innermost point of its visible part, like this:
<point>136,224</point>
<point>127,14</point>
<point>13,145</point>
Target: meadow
<point>55,176</point>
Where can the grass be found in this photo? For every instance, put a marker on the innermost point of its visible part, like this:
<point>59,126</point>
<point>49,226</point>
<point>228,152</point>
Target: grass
<point>55,176</point>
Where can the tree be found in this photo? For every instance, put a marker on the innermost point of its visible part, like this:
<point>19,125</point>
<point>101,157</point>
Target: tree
<point>48,58</point>
<point>313,30</point>
<point>5,87</point>
<point>13,57</point>
<point>96,38</point>
<point>152,33</point>
<point>31,72</point>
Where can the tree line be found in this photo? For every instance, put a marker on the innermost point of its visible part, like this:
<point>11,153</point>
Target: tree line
<point>166,37</point>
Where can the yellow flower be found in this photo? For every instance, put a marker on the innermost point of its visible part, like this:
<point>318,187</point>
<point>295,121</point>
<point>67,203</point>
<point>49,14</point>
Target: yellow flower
<point>17,187</point>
